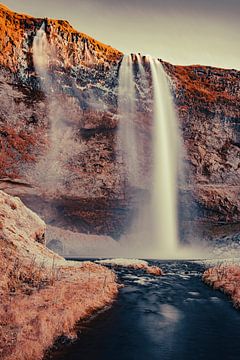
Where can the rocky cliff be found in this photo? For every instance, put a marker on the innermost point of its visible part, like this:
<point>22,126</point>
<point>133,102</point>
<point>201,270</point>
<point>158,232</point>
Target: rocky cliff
<point>92,195</point>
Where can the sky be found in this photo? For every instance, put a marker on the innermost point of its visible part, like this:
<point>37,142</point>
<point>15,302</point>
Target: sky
<point>183,32</point>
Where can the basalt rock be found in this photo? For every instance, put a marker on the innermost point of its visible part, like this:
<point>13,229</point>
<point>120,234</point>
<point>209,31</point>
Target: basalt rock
<point>94,195</point>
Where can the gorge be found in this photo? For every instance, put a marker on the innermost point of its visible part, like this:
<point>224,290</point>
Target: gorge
<point>94,197</point>
<point>106,156</point>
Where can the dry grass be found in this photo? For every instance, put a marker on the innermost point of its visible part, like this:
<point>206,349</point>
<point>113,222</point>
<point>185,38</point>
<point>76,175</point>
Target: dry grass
<point>30,277</point>
<point>225,278</point>
<point>39,304</point>
<point>42,296</point>
<point>20,279</point>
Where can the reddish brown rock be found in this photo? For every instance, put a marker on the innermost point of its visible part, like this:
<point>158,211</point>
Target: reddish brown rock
<point>154,270</point>
<point>225,278</point>
<point>17,32</point>
<point>94,196</point>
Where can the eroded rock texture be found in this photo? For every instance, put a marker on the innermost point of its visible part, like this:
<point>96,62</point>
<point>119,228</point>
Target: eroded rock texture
<point>86,189</point>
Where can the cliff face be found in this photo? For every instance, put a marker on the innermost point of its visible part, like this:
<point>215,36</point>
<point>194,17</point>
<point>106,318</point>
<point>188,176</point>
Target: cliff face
<point>72,47</point>
<point>92,195</point>
<point>207,102</point>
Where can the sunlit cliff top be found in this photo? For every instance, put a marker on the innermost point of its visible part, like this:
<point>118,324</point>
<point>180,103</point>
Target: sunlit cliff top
<point>17,32</point>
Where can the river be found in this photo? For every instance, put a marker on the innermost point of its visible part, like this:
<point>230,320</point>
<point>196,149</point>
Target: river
<point>174,317</point>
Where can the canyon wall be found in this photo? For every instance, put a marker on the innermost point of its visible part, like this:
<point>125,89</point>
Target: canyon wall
<point>91,194</point>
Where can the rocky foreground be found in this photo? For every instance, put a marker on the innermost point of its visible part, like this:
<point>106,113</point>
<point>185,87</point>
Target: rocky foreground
<point>42,295</point>
<point>92,195</point>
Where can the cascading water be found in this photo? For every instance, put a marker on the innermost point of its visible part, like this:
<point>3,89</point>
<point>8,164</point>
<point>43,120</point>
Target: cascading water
<point>40,52</point>
<point>166,151</point>
<point>88,59</point>
<point>50,171</point>
<point>127,136</point>
<point>141,67</point>
<point>154,232</point>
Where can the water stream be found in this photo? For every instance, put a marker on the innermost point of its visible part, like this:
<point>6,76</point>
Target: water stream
<point>175,317</point>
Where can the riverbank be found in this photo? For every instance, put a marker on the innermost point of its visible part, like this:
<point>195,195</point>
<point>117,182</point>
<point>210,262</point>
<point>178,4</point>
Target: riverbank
<point>42,295</point>
<point>166,317</point>
<point>226,278</point>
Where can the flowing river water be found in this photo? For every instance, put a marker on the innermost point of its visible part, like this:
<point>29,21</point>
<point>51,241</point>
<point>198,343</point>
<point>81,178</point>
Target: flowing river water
<point>174,317</point>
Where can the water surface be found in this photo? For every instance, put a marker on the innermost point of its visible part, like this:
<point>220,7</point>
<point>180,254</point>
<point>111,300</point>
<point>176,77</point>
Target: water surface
<point>161,318</point>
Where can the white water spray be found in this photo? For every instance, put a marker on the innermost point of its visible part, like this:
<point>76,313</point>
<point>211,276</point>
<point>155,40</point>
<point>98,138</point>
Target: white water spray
<point>50,172</point>
<point>41,51</point>
<point>127,135</point>
<point>88,59</point>
<point>166,151</point>
<point>141,67</point>
<point>154,232</point>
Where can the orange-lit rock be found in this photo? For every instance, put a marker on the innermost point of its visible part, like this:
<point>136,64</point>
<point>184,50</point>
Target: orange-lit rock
<point>225,278</point>
<point>94,196</point>
<point>17,32</point>
<point>154,270</point>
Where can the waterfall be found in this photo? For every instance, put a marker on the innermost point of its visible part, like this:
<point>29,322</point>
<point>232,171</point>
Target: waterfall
<point>141,67</point>
<point>88,59</point>
<point>154,231</point>
<point>50,172</point>
<point>40,52</point>
<point>166,149</point>
<point>127,136</point>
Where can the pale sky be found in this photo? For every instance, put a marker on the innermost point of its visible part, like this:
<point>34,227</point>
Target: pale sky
<point>182,32</point>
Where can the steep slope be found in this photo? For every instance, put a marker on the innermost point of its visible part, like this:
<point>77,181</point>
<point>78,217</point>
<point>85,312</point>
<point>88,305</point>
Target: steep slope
<point>92,195</point>
<point>42,295</point>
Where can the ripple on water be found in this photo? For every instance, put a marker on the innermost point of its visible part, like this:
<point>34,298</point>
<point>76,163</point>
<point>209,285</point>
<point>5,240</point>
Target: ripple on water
<point>168,317</point>
<point>170,313</point>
